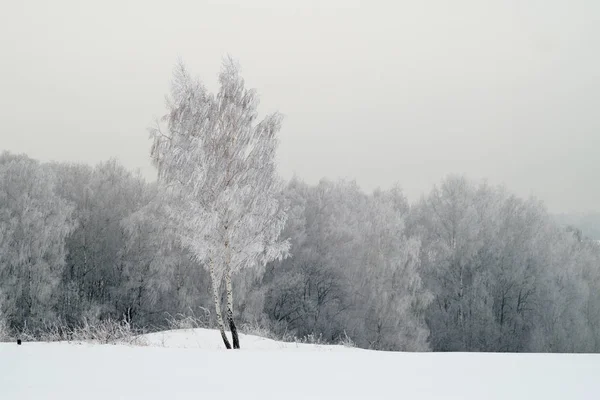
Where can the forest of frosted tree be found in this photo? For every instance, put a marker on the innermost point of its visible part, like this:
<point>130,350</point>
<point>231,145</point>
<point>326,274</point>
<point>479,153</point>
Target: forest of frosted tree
<point>467,267</point>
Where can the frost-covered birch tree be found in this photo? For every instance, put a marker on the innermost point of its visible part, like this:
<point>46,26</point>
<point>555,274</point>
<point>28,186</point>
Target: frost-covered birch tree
<point>217,163</point>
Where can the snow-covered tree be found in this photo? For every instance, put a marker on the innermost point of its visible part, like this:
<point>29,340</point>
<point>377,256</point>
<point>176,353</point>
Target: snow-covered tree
<point>218,166</point>
<point>34,222</point>
<point>94,280</point>
<point>354,271</point>
<point>392,292</point>
<point>159,277</point>
<point>123,259</point>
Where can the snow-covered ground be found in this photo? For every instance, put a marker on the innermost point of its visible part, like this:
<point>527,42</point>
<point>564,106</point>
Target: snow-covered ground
<point>191,364</point>
<point>209,339</point>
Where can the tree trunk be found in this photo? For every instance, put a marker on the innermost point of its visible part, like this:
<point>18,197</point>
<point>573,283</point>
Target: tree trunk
<point>229,289</point>
<point>232,328</point>
<point>216,300</point>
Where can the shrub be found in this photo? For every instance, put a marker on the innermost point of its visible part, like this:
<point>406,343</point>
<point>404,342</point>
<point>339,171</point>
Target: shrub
<point>191,321</point>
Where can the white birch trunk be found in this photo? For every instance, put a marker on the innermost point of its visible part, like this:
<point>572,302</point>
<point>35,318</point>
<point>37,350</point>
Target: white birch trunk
<point>217,302</point>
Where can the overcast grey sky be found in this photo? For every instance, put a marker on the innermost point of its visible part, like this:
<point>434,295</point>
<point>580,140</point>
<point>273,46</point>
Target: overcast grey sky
<point>380,91</point>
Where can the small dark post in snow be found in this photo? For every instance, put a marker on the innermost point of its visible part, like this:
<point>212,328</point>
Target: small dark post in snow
<point>19,342</point>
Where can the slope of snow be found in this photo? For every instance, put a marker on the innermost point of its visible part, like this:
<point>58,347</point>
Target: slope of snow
<point>192,365</point>
<point>211,340</point>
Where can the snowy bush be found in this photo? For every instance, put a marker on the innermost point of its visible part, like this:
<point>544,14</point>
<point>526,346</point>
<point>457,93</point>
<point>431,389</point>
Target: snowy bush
<point>346,341</point>
<point>191,321</point>
<point>313,339</point>
<point>108,331</point>
<point>256,329</point>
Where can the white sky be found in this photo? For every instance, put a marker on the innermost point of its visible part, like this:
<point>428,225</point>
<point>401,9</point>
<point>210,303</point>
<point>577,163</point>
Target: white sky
<point>380,91</point>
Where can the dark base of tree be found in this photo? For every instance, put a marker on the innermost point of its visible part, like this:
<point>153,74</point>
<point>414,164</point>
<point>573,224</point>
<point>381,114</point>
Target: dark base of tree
<point>225,339</point>
<point>234,333</point>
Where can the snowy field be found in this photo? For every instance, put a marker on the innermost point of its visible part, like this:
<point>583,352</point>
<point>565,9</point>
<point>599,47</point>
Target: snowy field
<point>191,364</point>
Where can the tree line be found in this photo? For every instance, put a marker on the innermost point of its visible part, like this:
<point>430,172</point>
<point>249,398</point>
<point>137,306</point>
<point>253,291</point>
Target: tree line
<point>469,267</point>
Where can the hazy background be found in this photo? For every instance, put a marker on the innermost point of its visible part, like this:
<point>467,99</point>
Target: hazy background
<point>379,91</point>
